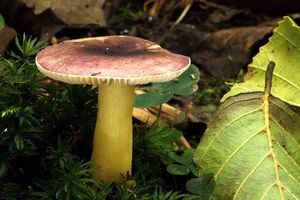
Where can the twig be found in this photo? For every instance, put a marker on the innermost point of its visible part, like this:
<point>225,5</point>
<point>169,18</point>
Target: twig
<point>183,14</point>
<point>143,116</point>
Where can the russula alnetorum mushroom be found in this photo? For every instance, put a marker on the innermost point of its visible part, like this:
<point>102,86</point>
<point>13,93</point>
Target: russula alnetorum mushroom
<point>115,64</point>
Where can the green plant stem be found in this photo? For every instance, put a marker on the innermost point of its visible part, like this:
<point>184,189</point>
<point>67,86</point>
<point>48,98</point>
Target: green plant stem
<point>112,144</point>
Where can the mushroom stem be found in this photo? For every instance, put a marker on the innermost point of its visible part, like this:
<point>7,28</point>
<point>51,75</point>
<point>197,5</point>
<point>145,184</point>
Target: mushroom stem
<point>112,144</point>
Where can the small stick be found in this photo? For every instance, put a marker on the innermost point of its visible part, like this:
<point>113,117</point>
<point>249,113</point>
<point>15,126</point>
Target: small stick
<point>183,143</point>
<point>183,14</point>
<point>144,116</point>
<point>166,108</point>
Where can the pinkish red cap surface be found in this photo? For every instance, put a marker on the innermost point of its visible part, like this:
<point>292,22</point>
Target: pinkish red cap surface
<point>99,60</point>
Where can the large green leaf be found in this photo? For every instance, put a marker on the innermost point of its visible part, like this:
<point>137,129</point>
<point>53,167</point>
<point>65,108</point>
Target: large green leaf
<point>284,49</point>
<point>252,147</point>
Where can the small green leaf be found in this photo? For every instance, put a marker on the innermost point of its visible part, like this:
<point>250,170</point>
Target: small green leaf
<point>192,167</point>
<point>152,99</point>
<point>184,85</point>
<point>8,112</point>
<point>162,136</point>
<point>159,93</point>
<point>185,157</point>
<point>3,168</point>
<point>166,159</point>
<point>2,22</point>
<point>177,169</point>
<point>18,142</point>
<point>204,186</point>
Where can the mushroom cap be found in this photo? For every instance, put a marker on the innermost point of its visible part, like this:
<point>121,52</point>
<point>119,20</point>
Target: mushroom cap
<point>100,60</point>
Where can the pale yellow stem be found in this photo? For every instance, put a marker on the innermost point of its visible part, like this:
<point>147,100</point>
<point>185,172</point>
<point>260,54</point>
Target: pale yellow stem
<point>112,144</point>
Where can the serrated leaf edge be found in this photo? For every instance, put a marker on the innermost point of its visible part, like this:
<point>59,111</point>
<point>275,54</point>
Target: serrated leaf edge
<point>256,66</point>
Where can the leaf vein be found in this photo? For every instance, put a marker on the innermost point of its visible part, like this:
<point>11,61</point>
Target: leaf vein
<point>287,39</point>
<point>234,152</point>
<point>293,177</point>
<point>275,121</point>
<point>267,191</point>
<point>249,174</point>
<point>290,192</point>
<point>232,121</point>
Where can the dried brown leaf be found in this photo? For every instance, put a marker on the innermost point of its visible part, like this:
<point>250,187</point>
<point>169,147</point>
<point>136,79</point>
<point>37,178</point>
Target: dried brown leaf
<point>72,11</point>
<point>225,51</point>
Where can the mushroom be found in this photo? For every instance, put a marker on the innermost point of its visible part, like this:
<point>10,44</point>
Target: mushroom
<point>115,64</point>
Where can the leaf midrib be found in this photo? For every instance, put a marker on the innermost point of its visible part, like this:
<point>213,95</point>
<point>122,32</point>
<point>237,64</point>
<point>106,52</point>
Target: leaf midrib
<point>265,108</point>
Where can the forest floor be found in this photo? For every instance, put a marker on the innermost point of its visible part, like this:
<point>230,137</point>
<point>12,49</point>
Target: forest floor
<point>220,39</point>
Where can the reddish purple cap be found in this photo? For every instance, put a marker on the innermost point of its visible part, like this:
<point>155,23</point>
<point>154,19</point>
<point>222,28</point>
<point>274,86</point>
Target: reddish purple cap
<point>99,60</point>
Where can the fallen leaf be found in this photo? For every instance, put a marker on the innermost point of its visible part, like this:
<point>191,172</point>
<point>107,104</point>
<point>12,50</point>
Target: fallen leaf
<point>224,52</point>
<point>72,11</point>
<point>274,6</point>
